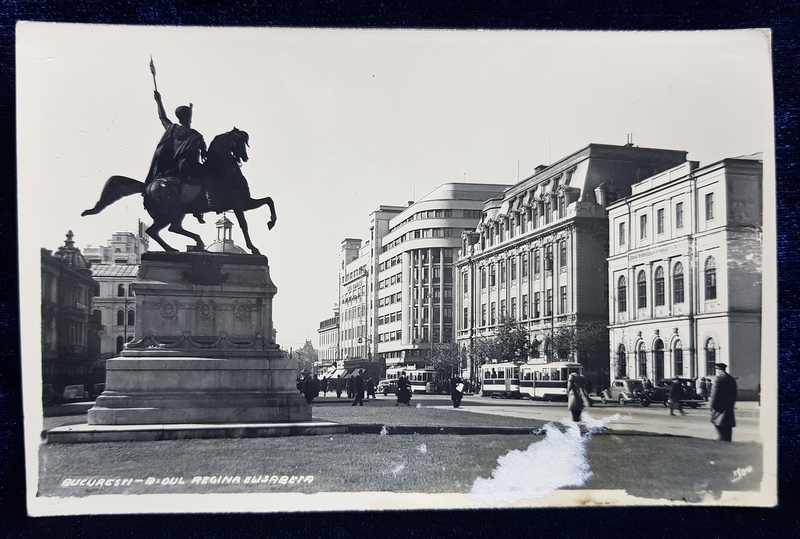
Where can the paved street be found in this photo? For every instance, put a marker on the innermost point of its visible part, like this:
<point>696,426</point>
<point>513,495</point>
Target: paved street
<point>652,419</point>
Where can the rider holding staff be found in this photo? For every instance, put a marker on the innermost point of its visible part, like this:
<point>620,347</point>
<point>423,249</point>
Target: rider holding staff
<point>181,149</point>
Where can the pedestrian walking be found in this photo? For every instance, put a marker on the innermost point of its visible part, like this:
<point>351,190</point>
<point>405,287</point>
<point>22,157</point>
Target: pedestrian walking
<point>704,389</point>
<point>575,395</point>
<point>403,391</point>
<point>370,388</point>
<point>456,391</point>
<point>324,386</point>
<point>350,387</point>
<point>358,390</point>
<point>675,395</point>
<point>339,386</point>
<point>723,397</point>
<point>310,389</point>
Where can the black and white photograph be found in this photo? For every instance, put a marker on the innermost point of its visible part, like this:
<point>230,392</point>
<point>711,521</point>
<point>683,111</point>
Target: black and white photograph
<point>300,269</point>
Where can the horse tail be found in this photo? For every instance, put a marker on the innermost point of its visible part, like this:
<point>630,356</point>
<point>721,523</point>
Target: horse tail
<point>116,187</point>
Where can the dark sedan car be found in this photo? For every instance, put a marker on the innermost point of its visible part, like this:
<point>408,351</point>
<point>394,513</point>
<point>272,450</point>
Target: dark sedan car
<point>660,392</point>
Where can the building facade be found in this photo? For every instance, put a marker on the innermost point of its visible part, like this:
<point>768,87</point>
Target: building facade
<point>685,269</point>
<point>329,340</point>
<point>538,256</point>
<point>115,267</point>
<point>413,284</point>
<point>70,324</point>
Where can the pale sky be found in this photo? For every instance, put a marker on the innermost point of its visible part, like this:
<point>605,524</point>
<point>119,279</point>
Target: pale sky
<point>341,121</point>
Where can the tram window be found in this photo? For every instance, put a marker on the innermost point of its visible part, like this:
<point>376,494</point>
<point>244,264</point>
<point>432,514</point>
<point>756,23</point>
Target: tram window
<point>516,373</point>
<point>501,374</point>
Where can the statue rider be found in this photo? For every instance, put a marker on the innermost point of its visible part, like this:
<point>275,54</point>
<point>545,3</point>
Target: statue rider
<point>181,150</point>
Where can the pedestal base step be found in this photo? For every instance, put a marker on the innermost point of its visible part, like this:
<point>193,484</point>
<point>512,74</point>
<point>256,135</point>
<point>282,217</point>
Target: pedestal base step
<point>85,433</point>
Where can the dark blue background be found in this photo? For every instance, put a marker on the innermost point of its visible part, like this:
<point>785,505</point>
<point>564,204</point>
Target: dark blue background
<point>691,522</point>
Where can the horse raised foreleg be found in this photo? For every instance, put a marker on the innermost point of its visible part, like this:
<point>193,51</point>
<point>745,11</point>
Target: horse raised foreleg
<point>153,232</point>
<point>177,227</point>
<point>115,188</point>
<point>254,203</point>
<point>243,225</point>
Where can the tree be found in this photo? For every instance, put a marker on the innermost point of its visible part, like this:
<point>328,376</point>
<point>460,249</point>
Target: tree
<point>579,343</point>
<point>445,358</point>
<point>306,357</point>
<point>510,342</point>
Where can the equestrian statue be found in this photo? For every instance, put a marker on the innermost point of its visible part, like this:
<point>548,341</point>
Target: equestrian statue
<point>185,178</point>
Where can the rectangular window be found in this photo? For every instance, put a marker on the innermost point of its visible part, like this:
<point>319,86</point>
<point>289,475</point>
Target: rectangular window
<point>660,221</point>
<point>465,289</point>
<point>502,309</point>
<point>502,273</point>
<point>679,215</point>
<point>514,308</point>
<point>562,303</point>
<point>493,316</point>
<point>642,226</point>
<point>536,263</point>
<point>562,254</point>
<point>483,278</point>
<point>548,307</point>
<point>548,258</point>
<point>466,317</point>
<point>524,265</point>
<point>483,315</point>
<point>514,269</point>
<point>492,276</point>
<point>621,234</point>
<point>709,206</point>
<point>525,307</point>
<point>537,305</point>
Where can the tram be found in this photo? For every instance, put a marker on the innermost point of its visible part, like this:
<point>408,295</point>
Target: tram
<point>423,380</point>
<point>546,380</point>
<point>500,379</point>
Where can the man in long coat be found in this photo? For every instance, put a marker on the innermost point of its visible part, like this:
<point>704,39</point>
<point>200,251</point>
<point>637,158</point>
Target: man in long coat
<point>358,388</point>
<point>575,395</point>
<point>723,397</point>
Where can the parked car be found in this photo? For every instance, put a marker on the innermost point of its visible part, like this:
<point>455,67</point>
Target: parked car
<point>623,391</point>
<point>387,386</point>
<point>660,392</point>
<point>75,393</point>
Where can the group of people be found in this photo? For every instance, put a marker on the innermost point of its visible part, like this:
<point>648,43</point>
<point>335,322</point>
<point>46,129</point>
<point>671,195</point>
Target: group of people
<point>722,399</point>
<point>355,387</point>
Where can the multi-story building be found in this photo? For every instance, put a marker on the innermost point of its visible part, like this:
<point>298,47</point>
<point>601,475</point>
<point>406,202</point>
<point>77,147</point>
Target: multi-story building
<point>115,267</point>
<point>413,273</point>
<point>70,325</point>
<point>685,269</point>
<point>328,351</point>
<point>538,255</point>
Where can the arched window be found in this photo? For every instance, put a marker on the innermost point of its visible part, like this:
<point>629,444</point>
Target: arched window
<point>642,357</point>
<point>622,295</point>
<point>711,356</point>
<point>659,284</point>
<point>711,278</point>
<point>121,291</point>
<point>131,317</point>
<point>658,359</point>
<point>120,317</point>
<point>677,356</point>
<point>641,290</point>
<point>120,344</point>
<point>130,290</point>
<point>622,364</point>
<point>677,283</point>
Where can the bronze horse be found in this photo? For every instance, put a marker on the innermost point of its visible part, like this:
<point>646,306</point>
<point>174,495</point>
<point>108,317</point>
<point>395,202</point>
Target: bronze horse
<point>219,186</point>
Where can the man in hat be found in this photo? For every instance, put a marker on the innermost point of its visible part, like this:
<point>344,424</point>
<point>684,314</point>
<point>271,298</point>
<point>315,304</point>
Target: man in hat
<point>723,397</point>
<point>181,150</point>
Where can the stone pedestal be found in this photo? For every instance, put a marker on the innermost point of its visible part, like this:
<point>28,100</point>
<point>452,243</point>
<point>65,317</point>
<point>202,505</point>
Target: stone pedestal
<point>202,352</point>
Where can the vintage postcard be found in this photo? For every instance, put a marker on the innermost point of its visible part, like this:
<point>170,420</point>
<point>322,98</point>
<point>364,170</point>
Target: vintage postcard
<point>270,270</point>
